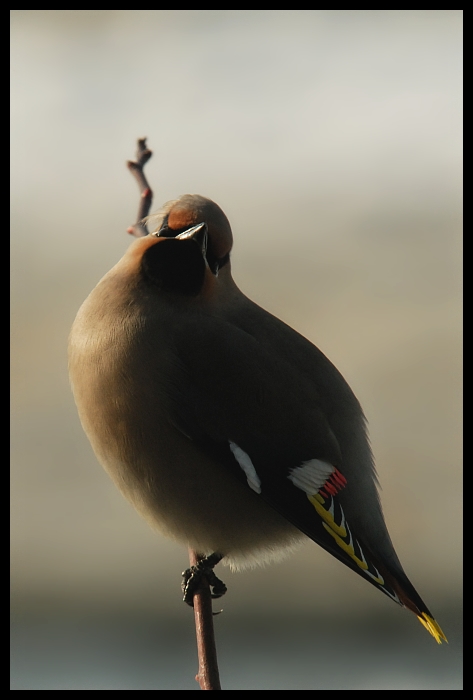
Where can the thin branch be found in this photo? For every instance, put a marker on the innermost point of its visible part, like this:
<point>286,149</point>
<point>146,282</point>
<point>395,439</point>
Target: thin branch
<point>143,154</point>
<point>208,675</point>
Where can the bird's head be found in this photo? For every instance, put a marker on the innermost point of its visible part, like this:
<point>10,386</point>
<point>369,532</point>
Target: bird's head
<point>184,255</point>
<point>187,212</point>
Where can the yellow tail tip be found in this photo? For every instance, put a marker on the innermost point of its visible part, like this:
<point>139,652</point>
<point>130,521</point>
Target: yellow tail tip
<point>433,627</point>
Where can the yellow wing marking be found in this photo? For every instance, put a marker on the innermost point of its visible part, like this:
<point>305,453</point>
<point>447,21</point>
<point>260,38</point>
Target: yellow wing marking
<point>338,532</point>
<point>317,502</point>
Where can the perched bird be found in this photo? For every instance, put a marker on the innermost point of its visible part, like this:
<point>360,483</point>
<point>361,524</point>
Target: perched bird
<point>226,429</point>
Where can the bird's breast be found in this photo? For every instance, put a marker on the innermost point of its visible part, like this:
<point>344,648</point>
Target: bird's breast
<point>127,377</point>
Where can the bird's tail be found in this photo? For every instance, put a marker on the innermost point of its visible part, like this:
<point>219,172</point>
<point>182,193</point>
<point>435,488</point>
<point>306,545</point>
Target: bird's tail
<point>410,599</point>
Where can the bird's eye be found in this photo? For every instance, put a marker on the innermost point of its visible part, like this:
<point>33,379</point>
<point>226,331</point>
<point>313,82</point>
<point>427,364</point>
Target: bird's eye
<point>164,232</point>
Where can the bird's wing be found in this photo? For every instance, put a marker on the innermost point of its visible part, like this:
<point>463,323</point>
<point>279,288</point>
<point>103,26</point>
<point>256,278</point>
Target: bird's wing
<point>231,394</point>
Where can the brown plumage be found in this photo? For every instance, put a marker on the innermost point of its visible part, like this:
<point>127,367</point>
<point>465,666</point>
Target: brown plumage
<point>226,429</point>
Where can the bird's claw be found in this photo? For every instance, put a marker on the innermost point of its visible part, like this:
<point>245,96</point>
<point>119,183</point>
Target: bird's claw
<point>192,579</point>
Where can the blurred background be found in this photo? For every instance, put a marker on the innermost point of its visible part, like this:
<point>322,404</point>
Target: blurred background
<point>332,140</point>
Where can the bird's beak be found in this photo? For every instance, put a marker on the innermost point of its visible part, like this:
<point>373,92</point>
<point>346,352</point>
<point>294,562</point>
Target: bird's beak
<point>198,234</point>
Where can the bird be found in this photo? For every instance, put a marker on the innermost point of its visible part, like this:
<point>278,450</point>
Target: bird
<point>227,430</point>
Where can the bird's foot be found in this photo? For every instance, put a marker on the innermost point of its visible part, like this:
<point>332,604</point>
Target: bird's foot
<point>192,578</point>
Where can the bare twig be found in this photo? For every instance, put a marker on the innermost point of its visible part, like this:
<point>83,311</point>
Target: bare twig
<point>143,154</point>
<point>208,675</point>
